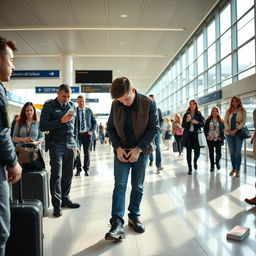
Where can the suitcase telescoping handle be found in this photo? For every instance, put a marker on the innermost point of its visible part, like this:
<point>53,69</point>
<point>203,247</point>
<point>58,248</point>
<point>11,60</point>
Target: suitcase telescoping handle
<point>20,191</point>
<point>20,200</point>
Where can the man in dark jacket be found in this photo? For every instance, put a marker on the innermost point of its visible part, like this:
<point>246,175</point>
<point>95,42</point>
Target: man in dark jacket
<point>132,126</point>
<point>58,119</point>
<point>157,141</point>
<point>8,158</point>
<point>86,125</point>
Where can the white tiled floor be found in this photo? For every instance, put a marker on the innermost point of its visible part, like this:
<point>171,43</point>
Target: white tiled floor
<point>183,215</point>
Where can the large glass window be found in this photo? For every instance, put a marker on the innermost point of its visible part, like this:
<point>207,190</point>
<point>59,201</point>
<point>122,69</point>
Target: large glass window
<point>226,68</point>
<point>225,19</point>
<point>211,33</point>
<point>246,56</point>
<point>243,6</point>
<point>225,44</point>
<point>190,54</point>
<point>212,76</point>
<point>193,76</point>
<point>245,28</point>
<point>200,44</point>
<point>200,86</point>
<point>200,64</point>
<point>211,55</point>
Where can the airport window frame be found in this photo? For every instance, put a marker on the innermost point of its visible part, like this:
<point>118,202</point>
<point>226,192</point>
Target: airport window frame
<point>177,69</point>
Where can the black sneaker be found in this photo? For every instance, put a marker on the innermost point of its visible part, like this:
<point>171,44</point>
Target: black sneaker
<point>218,165</point>
<point>116,232</point>
<point>137,225</point>
<point>150,163</point>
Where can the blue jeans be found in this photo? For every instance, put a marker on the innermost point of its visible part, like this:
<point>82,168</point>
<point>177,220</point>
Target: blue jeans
<point>4,215</point>
<point>158,151</point>
<point>121,173</point>
<point>235,147</point>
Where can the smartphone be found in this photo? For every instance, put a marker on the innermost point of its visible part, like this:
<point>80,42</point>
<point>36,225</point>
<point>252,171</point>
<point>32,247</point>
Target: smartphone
<point>71,113</point>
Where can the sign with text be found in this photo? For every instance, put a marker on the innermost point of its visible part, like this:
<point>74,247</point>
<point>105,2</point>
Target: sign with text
<point>36,74</point>
<point>86,100</point>
<point>101,114</point>
<point>210,97</point>
<point>95,88</point>
<point>54,89</point>
<point>93,76</point>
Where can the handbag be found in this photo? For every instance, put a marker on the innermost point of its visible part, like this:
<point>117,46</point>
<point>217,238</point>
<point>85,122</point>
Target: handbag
<point>244,133</point>
<point>179,132</point>
<point>30,156</point>
<point>201,139</point>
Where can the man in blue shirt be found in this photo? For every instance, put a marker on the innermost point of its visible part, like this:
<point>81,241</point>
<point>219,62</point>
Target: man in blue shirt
<point>86,125</point>
<point>58,119</point>
<point>132,127</point>
<point>8,157</point>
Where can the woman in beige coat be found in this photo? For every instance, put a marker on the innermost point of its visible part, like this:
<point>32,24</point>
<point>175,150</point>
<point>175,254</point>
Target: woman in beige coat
<point>235,120</point>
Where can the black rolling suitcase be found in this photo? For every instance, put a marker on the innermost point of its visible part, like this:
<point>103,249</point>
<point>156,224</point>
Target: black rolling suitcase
<point>26,236</point>
<point>35,185</point>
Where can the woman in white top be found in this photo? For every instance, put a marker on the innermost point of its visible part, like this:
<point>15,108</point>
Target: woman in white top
<point>235,119</point>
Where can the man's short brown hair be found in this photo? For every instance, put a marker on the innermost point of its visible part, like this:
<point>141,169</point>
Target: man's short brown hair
<point>119,87</point>
<point>4,43</point>
<point>64,87</point>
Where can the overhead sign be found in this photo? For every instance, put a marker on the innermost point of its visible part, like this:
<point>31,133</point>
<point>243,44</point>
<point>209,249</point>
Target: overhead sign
<point>95,88</point>
<point>36,74</point>
<point>210,97</point>
<point>54,89</point>
<point>86,100</point>
<point>38,106</point>
<point>93,76</point>
<point>92,100</point>
<point>101,114</point>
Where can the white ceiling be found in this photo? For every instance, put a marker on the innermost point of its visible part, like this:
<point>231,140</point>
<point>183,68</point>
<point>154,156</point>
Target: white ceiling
<point>156,48</point>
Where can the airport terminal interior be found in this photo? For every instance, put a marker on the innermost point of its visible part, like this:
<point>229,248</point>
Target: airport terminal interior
<point>177,50</point>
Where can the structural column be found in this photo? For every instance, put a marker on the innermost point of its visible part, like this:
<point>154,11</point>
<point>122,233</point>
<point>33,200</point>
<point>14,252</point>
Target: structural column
<point>67,70</point>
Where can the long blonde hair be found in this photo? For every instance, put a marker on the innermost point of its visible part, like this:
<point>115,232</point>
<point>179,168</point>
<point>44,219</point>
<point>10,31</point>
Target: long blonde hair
<point>240,105</point>
<point>178,117</point>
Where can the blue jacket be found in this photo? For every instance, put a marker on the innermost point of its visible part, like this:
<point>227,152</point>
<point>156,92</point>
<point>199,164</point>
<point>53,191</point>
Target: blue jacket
<point>8,155</point>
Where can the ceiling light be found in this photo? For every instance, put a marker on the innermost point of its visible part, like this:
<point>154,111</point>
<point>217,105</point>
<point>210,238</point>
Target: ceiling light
<point>123,15</point>
<point>78,28</point>
<point>121,43</point>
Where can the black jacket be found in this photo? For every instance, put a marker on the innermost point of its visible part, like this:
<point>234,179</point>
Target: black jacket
<point>221,127</point>
<point>8,155</point>
<point>186,125</point>
<point>51,120</point>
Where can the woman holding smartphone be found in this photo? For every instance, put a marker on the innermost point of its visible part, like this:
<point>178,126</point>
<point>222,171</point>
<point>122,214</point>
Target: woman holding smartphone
<point>192,122</point>
<point>26,130</point>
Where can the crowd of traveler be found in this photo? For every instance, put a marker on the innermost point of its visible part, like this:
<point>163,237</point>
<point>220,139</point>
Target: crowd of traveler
<point>134,129</point>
